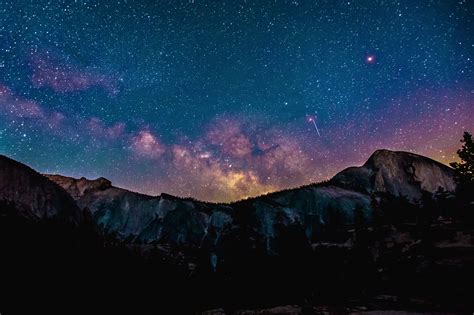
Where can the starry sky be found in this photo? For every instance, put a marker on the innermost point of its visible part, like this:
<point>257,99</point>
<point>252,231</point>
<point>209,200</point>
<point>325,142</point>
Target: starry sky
<point>222,100</point>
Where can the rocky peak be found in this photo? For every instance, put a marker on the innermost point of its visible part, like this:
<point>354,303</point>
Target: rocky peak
<point>398,173</point>
<point>79,187</point>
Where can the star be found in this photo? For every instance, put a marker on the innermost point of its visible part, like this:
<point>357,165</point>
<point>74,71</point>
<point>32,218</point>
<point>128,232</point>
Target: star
<point>188,90</point>
<point>370,59</point>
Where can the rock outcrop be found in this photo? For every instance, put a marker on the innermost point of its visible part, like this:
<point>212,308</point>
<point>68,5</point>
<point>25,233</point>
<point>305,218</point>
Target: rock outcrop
<point>144,218</point>
<point>398,174</point>
<point>168,219</point>
<point>180,221</point>
<point>33,195</point>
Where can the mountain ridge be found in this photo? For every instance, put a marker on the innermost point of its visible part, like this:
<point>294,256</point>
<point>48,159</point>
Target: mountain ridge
<point>60,178</point>
<point>166,218</point>
<point>282,246</point>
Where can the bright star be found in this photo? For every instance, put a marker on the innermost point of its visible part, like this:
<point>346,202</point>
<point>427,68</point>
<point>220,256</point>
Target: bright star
<point>370,59</point>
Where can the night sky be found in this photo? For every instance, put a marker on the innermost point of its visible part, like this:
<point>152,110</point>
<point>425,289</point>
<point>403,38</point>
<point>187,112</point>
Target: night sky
<point>221,100</point>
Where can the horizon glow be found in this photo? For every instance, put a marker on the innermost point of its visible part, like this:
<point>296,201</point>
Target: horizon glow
<point>219,100</point>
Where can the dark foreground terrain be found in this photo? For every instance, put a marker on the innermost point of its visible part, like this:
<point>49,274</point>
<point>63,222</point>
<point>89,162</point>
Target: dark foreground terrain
<point>347,246</point>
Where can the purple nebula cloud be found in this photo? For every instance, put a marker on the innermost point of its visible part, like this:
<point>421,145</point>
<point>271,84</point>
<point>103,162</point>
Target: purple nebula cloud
<point>50,71</point>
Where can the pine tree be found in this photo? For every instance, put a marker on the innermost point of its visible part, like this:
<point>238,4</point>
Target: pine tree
<point>464,170</point>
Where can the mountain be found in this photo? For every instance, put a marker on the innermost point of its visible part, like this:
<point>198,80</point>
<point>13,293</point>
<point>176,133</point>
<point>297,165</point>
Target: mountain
<point>313,208</point>
<point>310,247</point>
<point>398,174</point>
<point>145,218</point>
<point>33,195</point>
<point>181,221</point>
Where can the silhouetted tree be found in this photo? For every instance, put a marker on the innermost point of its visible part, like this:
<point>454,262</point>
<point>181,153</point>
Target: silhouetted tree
<point>464,170</point>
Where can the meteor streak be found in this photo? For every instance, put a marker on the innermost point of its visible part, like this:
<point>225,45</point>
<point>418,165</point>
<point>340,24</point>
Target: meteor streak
<point>312,119</point>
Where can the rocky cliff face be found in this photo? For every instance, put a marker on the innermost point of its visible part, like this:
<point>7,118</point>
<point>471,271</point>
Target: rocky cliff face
<point>167,219</point>
<point>33,195</point>
<point>145,218</point>
<point>173,220</point>
<point>398,174</point>
<point>77,188</point>
<point>311,208</point>
<point>179,221</point>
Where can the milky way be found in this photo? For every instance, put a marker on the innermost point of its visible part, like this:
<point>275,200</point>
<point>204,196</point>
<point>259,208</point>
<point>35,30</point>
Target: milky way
<point>211,99</point>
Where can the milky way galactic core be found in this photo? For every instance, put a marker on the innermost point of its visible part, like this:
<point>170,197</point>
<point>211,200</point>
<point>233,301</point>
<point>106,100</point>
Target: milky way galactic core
<point>221,100</point>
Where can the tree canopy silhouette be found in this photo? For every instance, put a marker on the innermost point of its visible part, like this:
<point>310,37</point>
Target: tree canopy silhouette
<point>464,170</point>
